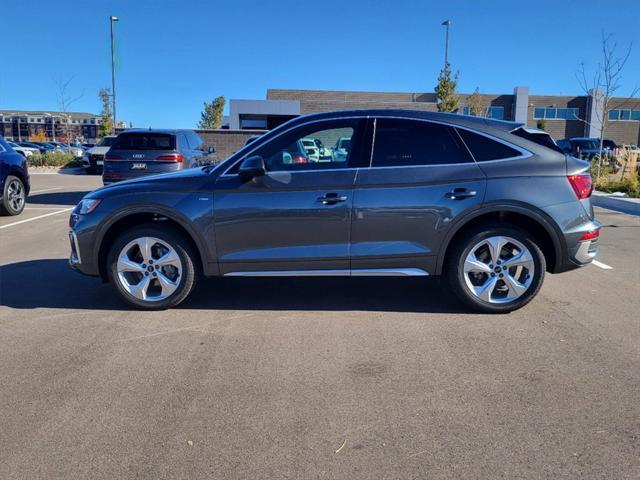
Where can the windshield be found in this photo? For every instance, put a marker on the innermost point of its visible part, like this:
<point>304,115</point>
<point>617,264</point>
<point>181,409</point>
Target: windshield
<point>106,141</point>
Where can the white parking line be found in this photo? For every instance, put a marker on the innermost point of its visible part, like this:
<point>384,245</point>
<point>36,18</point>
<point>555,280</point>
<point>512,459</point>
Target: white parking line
<point>44,190</point>
<point>36,218</point>
<point>601,265</point>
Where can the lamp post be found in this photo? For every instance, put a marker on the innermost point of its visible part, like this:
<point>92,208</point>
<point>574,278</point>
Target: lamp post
<point>446,23</point>
<point>113,71</point>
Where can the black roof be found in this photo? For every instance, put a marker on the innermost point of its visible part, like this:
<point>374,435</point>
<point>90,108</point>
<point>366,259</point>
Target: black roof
<point>157,130</point>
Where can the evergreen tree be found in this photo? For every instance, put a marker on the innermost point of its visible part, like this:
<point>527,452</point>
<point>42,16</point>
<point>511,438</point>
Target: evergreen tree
<point>106,116</point>
<point>211,116</point>
<point>446,90</point>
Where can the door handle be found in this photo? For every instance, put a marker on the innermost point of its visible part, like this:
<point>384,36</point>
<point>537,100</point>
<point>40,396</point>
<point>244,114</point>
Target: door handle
<point>332,198</point>
<point>460,194</point>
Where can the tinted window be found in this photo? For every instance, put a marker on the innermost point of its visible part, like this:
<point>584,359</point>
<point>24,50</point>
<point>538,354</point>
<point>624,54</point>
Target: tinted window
<point>106,142</point>
<point>144,141</point>
<point>484,149</point>
<point>410,142</point>
<point>297,150</point>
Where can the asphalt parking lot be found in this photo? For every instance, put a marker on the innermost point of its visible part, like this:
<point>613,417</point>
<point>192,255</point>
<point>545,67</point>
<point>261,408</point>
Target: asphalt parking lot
<point>316,378</point>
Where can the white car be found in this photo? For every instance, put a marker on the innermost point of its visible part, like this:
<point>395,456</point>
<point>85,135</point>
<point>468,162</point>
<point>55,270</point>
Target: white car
<point>24,151</point>
<point>313,152</point>
<point>341,149</point>
<point>93,159</point>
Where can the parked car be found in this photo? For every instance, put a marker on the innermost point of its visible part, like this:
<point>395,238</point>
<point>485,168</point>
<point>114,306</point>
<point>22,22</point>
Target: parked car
<point>14,180</point>
<point>311,149</point>
<point>587,148</point>
<point>341,149</point>
<point>24,151</point>
<point>46,146</point>
<point>93,158</point>
<point>137,153</point>
<point>40,148</point>
<point>69,148</point>
<point>485,203</point>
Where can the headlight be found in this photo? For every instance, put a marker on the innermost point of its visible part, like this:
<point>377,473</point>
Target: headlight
<point>87,205</point>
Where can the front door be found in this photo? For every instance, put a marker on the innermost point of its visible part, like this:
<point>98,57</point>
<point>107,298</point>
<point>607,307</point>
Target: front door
<point>295,219</point>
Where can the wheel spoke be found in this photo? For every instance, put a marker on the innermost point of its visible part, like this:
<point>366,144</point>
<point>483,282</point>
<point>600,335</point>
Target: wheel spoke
<point>127,265</point>
<point>484,291</point>
<point>495,245</point>
<point>169,258</point>
<point>145,244</point>
<point>523,258</point>
<point>168,286</point>
<point>472,264</point>
<point>515,287</point>
<point>139,290</point>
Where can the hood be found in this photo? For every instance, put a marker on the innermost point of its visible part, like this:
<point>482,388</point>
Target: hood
<point>98,150</point>
<point>179,180</point>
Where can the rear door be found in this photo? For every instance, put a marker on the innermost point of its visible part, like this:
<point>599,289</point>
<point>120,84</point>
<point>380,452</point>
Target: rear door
<point>295,219</point>
<point>421,178</point>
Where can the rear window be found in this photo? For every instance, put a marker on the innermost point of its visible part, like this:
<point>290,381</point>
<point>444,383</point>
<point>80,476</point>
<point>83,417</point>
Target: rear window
<point>106,142</point>
<point>484,149</point>
<point>144,141</point>
<point>407,142</point>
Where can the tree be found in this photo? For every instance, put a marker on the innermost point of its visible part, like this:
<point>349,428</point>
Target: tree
<point>446,90</point>
<point>477,105</point>
<point>542,124</point>
<point>106,116</point>
<point>65,101</point>
<point>211,116</point>
<point>39,136</point>
<point>604,82</point>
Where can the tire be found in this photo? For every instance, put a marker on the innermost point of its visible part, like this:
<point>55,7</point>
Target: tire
<point>504,286</point>
<point>14,196</point>
<point>158,286</point>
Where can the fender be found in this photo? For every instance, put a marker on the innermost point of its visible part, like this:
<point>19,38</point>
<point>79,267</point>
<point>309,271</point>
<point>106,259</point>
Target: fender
<point>522,208</point>
<point>171,214</point>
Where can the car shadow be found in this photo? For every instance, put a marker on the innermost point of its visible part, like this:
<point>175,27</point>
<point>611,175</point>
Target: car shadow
<point>56,198</point>
<point>50,283</point>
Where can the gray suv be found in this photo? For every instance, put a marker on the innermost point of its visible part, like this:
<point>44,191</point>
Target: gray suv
<point>490,205</point>
<point>137,153</point>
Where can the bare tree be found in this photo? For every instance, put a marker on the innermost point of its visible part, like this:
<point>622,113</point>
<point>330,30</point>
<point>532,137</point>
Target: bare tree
<point>65,101</point>
<point>603,84</point>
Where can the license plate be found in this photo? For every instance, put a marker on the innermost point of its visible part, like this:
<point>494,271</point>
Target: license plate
<point>139,166</point>
<point>100,162</point>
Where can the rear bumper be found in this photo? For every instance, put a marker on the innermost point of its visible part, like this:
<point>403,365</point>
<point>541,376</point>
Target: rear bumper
<point>580,252</point>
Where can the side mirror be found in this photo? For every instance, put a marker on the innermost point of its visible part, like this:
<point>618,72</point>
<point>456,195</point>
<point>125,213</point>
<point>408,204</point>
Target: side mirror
<point>252,167</point>
<point>212,150</point>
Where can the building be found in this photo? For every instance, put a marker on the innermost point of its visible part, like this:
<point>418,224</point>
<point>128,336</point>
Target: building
<point>22,125</point>
<point>561,116</point>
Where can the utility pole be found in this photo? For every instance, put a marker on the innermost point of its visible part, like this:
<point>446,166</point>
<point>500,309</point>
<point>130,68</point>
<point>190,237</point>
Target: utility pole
<point>446,23</point>
<point>113,72</point>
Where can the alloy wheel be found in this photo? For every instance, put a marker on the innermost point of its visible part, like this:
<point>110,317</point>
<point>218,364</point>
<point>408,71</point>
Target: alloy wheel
<point>16,195</point>
<point>149,269</point>
<point>499,269</point>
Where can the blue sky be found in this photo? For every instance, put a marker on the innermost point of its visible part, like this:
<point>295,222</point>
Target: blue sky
<point>172,55</point>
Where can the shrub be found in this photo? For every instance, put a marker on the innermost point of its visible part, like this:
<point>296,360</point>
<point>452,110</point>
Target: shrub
<point>53,159</point>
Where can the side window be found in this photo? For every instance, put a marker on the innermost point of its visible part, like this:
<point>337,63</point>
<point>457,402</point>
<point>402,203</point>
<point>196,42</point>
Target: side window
<point>321,146</point>
<point>484,149</point>
<point>401,142</point>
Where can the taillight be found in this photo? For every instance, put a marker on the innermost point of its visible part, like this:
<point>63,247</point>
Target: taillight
<point>300,160</point>
<point>590,235</point>
<point>173,157</point>
<point>581,184</point>
<point>111,156</point>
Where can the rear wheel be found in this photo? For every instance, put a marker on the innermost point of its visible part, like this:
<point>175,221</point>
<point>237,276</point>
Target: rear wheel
<point>496,269</point>
<point>14,196</point>
<point>152,268</point>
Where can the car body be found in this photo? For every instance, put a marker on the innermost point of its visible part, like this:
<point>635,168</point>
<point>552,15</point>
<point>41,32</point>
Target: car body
<point>46,147</point>
<point>14,180</point>
<point>22,150</point>
<point>588,147</point>
<point>77,152</point>
<point>40,148</point>
<point>138,153</point>
<point>93,158</point>
<point>415,193</point>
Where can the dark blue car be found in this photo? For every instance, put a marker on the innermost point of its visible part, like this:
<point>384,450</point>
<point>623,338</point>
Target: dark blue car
<point>14,179</point>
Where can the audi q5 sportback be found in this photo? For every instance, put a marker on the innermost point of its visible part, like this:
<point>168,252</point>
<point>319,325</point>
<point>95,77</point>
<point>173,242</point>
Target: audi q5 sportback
<point>491,205</point>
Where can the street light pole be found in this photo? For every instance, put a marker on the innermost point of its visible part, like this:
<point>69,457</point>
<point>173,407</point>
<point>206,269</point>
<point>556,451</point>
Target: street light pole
<point>113,72</point>
<point>446,23</point>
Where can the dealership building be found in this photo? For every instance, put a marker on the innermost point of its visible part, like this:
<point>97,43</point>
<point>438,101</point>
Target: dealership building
<point>563,116</point>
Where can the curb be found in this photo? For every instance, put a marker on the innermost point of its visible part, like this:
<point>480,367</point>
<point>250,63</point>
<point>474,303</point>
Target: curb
<point>54,170</point>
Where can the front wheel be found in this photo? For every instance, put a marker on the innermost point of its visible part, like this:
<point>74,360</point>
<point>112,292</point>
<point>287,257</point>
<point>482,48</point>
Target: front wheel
<point>496,269</point>
<point>152,268</point>
<point>14,196</point>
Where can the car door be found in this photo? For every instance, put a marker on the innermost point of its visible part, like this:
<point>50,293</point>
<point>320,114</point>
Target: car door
<point>295,219</point>
<point>421,178</point>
